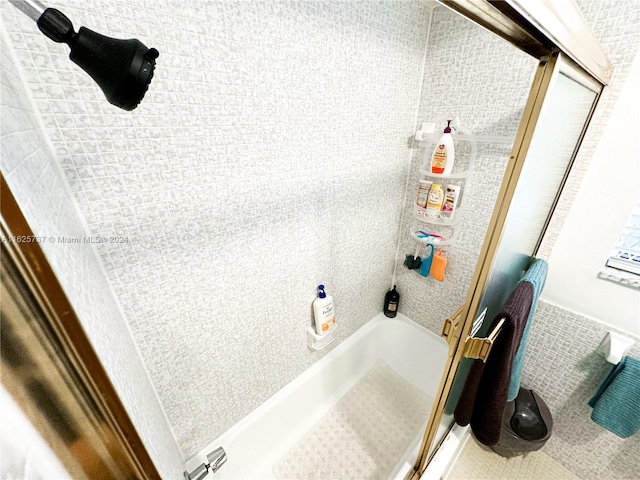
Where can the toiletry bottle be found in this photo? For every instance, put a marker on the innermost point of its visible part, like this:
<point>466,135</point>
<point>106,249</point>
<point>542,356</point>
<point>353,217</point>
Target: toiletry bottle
<point>443,153</point>
<point>323,312</point>
<point>435,200</point>
<point>450,200</point>
<point>391,300</point>
<point>423,193</point>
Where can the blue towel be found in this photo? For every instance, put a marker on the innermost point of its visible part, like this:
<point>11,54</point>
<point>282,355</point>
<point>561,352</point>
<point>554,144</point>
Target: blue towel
<point>536,275</point>
<point>616,405</point>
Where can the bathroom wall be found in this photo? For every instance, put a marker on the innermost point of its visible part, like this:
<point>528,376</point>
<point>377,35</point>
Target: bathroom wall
<point>565,342</point>
<point>269,155</point>
<point>40,188</point>
<point>482,79</point>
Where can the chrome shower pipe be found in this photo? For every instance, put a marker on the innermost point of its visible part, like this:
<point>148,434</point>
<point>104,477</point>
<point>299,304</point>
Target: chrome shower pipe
<point>31,8</point>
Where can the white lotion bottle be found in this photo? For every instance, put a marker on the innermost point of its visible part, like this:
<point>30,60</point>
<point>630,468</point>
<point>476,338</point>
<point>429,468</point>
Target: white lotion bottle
<point>444,153</point>
<point>323,312</point>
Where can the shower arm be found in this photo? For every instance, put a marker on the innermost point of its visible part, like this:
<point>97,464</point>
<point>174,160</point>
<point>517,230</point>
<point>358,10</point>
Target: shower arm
<point>31,8</point>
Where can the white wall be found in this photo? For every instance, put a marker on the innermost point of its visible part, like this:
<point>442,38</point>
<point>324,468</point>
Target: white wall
<point>608,193</point>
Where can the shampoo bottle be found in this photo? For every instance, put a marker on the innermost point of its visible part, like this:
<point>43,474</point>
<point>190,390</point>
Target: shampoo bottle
<point>391,300</point>
<point>444,153</point>
<point>323,312</point>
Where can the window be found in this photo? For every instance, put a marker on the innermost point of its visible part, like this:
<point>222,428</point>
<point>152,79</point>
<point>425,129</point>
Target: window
<point>625,256</point>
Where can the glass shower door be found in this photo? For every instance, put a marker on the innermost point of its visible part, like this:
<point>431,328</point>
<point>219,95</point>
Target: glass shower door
<point>560,105</point>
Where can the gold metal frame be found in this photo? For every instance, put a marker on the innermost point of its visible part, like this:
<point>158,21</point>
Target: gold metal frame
<point>538,28</point>
<point>50,368</point>
<point>457,331</point>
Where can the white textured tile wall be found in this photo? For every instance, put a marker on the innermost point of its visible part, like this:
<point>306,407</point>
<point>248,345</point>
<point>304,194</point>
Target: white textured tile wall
<point>482,79</point>
<point>39,187</point>
<point>269,155</point>
<point>564,342</point>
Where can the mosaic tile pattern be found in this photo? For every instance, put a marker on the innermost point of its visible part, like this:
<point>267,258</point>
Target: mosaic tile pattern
<point>488,101</point>
<point>564,343</point>
<point>363,435</point>
<point>39,187</point>
<point>477,462</point>
<point>269,156</point>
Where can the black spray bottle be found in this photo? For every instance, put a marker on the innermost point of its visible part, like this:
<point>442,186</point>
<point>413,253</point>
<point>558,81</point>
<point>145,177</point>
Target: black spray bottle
<point>391,300</point>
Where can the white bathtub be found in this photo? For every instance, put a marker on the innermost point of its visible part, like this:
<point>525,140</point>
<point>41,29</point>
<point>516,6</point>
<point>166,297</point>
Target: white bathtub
<point>256,443</point>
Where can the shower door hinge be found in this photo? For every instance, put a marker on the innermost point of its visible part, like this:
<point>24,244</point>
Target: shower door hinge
<point>450,326</point>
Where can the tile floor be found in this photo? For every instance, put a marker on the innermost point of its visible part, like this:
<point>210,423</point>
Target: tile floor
<point>477,462</point>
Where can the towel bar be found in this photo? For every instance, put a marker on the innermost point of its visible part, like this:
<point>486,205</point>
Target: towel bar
<point>481,347</point>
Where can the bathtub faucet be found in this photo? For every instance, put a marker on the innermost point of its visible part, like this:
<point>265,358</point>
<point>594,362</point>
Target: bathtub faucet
<point>216,459</point>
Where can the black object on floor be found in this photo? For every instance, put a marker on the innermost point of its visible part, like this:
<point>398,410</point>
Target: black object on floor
<point>526,425</point>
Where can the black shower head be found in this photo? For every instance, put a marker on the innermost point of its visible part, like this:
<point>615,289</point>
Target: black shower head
<point>122,68</point>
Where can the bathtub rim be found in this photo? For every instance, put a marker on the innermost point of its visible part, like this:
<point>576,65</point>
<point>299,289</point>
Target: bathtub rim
<point>233,434</point>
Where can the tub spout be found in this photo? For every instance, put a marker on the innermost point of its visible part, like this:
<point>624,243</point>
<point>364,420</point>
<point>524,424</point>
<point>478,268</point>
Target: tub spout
<point>216,459</point>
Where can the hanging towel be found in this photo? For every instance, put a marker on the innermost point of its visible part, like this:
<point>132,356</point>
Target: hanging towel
<point>536,275</point>
<point>616,405</point>
<point>491,397</point>
<point>465,405</point>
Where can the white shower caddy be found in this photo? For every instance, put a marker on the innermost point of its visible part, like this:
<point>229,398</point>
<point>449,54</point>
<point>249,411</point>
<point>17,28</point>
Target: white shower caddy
<point>427,141</point>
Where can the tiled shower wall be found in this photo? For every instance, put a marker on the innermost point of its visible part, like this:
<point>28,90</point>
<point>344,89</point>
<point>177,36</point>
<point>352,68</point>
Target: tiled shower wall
<point>39,187</point>
<point>484,81</point>
<point>268,156</point>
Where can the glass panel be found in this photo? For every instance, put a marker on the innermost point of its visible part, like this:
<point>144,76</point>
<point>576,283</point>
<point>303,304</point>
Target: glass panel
<point>563,118</point>
<point>564,115</point>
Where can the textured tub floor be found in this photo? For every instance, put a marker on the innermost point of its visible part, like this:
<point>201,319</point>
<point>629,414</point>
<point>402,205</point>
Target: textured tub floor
<point>477,462</point>
<point>364,435</point>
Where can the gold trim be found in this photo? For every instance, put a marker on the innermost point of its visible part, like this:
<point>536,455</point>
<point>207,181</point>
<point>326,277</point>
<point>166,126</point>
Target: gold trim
<point>55,375</point>
<point>521,144</point>
<point>450,326</point>
<point>538,28</point>
<point>547,69</point>
<point>481,347</point>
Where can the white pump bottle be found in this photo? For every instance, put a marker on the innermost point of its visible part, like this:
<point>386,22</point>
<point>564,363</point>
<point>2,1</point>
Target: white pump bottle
<point>323,312</point>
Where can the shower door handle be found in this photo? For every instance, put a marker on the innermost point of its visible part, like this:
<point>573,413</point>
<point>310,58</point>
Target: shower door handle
<point>450,326</point>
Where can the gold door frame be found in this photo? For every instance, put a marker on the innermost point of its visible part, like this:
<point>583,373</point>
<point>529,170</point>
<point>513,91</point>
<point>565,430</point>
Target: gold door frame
<point>547,70</point>
<point>512,20</point>
<point>50,368</point>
